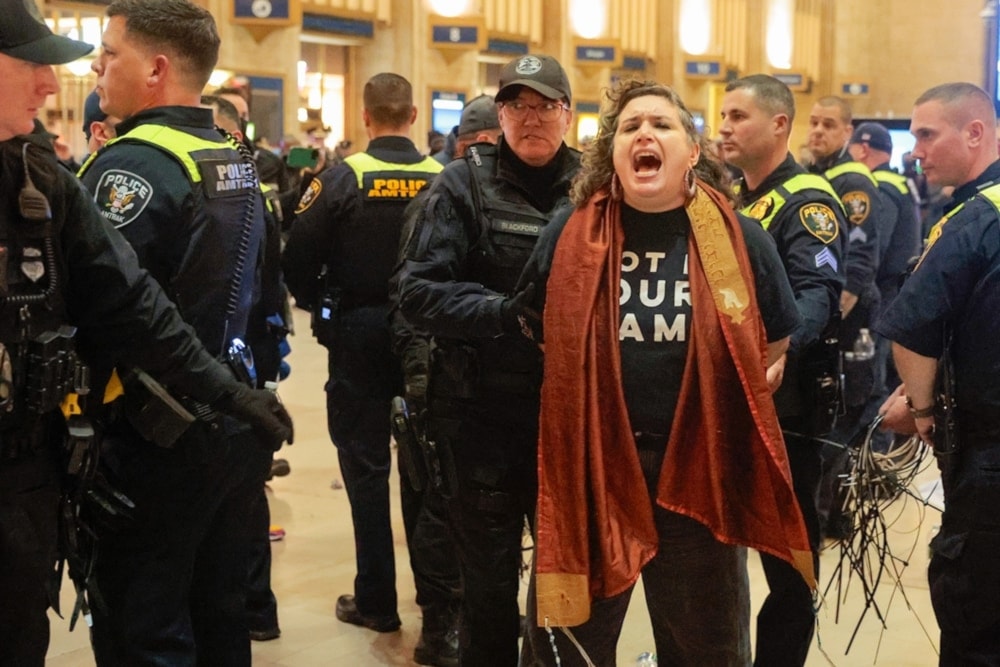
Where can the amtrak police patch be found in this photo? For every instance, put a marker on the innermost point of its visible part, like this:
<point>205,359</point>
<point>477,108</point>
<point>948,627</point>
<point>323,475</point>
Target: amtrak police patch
<point>122,196</point>
<point>820,221</point>
<point>858,206</point>
<point>761,208</point>
<point>310,195</point>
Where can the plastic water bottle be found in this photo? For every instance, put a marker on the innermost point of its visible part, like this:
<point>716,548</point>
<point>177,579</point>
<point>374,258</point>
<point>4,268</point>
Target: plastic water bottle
<point>646,659</point>
<point>864,346</point>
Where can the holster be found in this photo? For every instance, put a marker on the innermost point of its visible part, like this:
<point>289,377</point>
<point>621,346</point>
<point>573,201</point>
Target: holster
<point>152,411</point>
<point>410,456</point>
<point>822,381</point>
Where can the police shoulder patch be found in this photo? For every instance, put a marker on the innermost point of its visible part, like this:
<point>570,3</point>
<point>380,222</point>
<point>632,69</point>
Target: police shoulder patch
<point>310,195</point>
<point>858,206</point>
<point>122,196</point>
<point>820,221</point>
<point>761,208</point>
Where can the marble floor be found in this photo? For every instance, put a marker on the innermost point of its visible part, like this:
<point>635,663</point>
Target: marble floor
<point>315,563</point>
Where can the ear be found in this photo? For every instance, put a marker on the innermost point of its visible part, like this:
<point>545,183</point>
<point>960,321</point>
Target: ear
<point>695,153</point>
<point>100,130</point>
<point>780,122</point>
<point>975,132</point>
<point>160,69</point>
<point>366,118</point>
<point>413,115</point>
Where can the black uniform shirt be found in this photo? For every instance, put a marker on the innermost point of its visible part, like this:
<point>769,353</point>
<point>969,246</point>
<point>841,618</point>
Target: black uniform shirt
<point>321,226</point>
<point>903,241</point>
<point>865,208</point>
<point>957,286</point>
<point>814,263</point>
<point>148,195</point>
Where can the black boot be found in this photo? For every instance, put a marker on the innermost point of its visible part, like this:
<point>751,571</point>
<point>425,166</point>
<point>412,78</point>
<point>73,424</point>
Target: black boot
<point>438,644</point>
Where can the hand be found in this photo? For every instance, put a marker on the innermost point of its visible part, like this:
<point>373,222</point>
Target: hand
<point>925,427</point>
<point>896,415</point>
<point>776,373</point>
<point>847,302</point>
<point>519,318</point>
<point>416,392</point>
<point>262,410</point>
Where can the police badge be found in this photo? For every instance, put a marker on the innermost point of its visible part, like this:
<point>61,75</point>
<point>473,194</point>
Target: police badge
<point>858,206</point>
<point>820,221</point>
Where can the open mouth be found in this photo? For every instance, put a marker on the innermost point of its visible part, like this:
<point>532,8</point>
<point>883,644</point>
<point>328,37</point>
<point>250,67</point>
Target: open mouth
<point>646,163</point>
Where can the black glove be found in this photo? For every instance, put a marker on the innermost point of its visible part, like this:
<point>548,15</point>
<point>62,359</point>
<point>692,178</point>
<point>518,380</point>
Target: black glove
<point>262,410</point>
<point>519,318</point>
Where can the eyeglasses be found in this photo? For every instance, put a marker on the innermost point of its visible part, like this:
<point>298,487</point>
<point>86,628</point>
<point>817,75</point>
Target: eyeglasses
<point>546,111</point>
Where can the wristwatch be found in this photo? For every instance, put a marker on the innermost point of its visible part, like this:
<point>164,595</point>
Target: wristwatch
<point>922,413</point>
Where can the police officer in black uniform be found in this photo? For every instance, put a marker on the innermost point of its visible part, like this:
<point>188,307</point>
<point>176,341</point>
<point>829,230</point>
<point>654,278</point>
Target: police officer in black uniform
<point>871,145</point>
<point>830,131</point>
<point>949,309</point>
<point>190,204</point>
<point>424,489</point>
<point>346,232</point>
<point>64,267</point>
<point>483,217</point>
<point>806,220</point>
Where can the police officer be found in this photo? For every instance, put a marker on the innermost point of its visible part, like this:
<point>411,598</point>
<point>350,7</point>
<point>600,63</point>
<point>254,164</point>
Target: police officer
<point>805,218</point>
<point>950,307</point>
<point>830,131</point>
<point>190,204</point>
<point>483,217</point>
<point>871,145</point>
<point>900,242</point>
<point>63,265</point>
<point>347,230</point>
<point>425,482</point>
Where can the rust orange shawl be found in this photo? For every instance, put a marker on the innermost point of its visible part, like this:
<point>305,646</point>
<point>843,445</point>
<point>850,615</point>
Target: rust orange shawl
<point>725,463</point>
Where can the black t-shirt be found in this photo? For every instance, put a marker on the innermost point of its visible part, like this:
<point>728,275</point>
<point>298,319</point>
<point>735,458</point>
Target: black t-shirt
<point>655,304</point>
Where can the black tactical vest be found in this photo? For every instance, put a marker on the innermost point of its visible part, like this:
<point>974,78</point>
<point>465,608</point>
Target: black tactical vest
<point>509,224</point>
<point>37,360</point>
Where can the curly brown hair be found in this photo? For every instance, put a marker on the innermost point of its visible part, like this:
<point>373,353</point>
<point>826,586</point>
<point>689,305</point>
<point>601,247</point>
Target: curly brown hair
<point>597,166</point>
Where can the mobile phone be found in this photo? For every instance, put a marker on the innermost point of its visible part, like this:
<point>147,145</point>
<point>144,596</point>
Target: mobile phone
<point>303,157</point>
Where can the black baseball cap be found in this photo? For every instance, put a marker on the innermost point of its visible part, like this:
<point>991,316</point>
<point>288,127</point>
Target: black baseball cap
<point>91,112</point>
<point>543,74</point>
<point>24,35</point>
<point>873,134</point>
<point>478,115</point>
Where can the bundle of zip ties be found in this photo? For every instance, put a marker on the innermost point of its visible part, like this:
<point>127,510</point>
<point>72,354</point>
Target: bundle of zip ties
<point>869,489</point>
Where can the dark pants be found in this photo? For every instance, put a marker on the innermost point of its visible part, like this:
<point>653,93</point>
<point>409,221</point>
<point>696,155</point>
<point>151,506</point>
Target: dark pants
<point>262,606</point>
<point>964,573</point>
<point>786,621</point>
<point>174,579</point>
<point>697,594</point>
<point>29,495</point>
<point>364,376</point>
<point>494,444</point>
<point>433,556</point>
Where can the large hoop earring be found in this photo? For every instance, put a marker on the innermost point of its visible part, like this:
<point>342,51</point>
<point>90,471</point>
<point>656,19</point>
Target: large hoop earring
<point>689,184</point>
<point>616,188</point>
